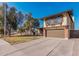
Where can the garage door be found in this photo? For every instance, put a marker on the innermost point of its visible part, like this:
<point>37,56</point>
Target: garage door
<point>55,33</point>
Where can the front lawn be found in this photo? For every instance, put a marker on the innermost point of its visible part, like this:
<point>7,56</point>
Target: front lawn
<point>20,39</point>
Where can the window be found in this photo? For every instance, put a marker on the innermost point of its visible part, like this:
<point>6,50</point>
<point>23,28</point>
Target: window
<point>58,20</point>
<point>48,22</point>
<point>54,21</point>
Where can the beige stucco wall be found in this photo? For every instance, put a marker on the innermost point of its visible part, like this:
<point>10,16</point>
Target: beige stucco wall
<point>64,22</point>
<point>73,18</point>
<point>44,24</point>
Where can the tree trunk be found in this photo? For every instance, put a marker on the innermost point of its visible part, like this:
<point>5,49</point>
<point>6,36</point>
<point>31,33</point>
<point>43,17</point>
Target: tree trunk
<point>9,31</point>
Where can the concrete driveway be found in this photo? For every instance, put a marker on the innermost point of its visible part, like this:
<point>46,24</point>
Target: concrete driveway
<point>42,47</point>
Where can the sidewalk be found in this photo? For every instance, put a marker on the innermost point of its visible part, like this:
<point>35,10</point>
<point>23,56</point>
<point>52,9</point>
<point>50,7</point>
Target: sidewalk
<point>6,48</point>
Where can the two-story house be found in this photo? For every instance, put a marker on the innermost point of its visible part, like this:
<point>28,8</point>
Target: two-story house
<point>59,25</point>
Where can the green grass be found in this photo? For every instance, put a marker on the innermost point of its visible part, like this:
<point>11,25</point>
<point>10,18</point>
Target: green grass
<point>20,39</point>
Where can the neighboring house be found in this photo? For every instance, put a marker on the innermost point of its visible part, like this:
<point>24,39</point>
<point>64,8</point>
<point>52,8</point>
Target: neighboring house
<point>59,25</point>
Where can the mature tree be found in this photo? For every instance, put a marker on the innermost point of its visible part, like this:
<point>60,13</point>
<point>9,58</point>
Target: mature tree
<point>35,26</point>
<point>1,20</point>
<point>20,17</point>
<point>11,20</point>
<point>28,25</point>
<point>31,24</point>
<point>36,23</point>
<point>1,24</point>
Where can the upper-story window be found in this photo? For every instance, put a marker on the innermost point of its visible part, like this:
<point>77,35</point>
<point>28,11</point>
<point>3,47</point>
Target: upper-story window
<point>54,21</point>
<point>58,20</point>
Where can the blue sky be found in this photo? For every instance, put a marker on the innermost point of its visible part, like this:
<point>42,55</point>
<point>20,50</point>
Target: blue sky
<point>41,9</point>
